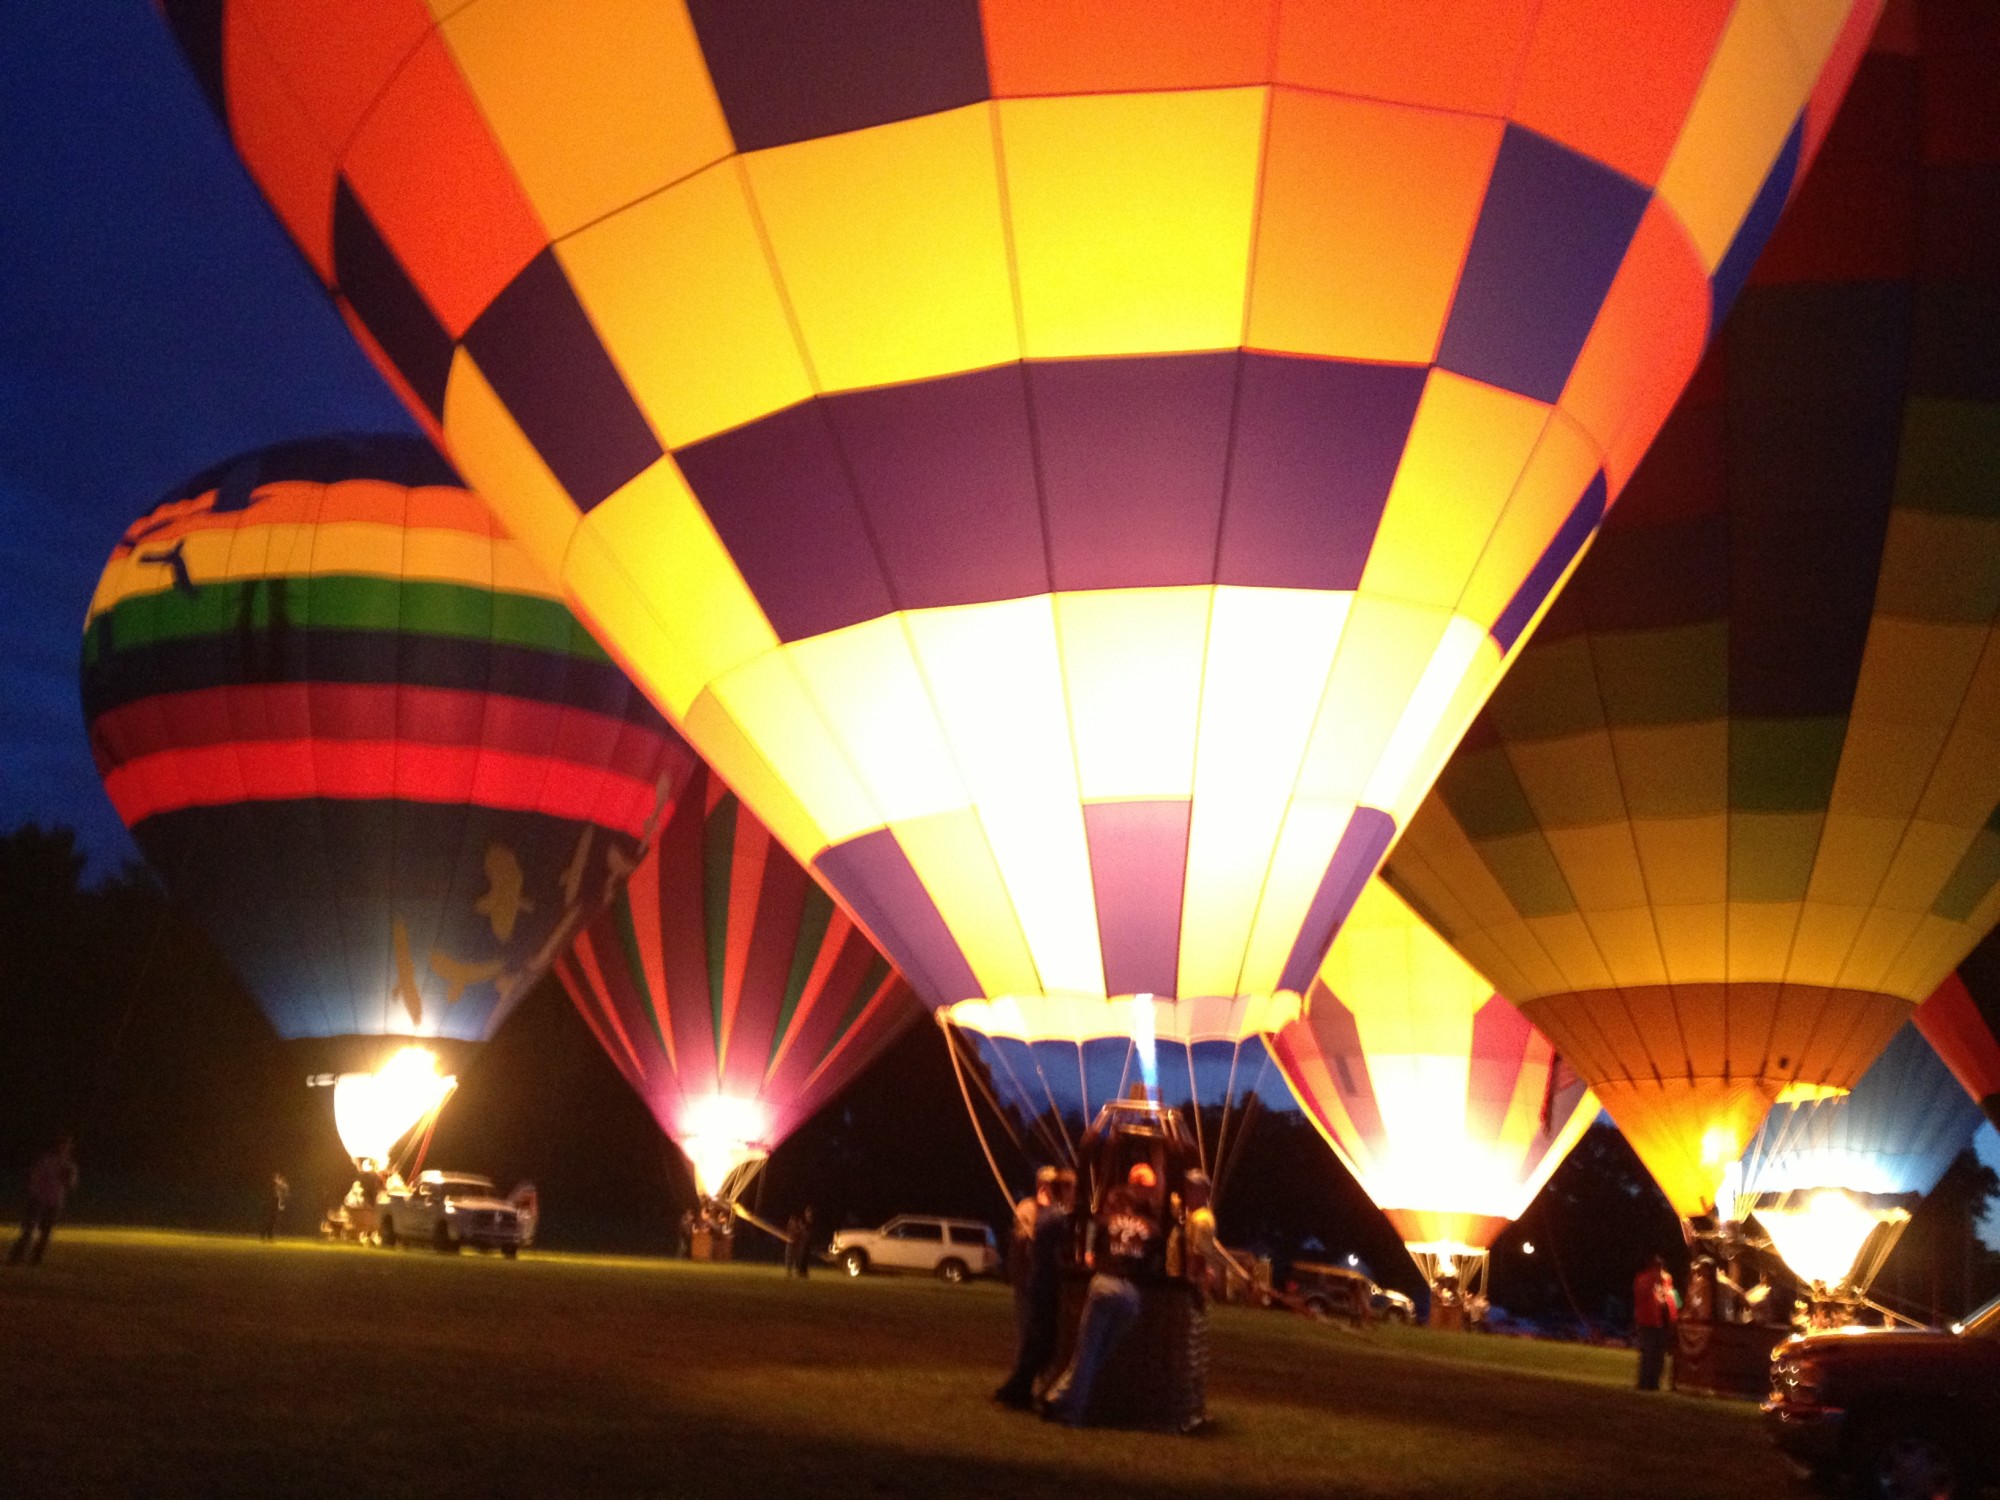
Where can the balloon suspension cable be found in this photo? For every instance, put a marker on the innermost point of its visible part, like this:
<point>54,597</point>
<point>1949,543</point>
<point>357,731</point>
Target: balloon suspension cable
<point>1226,1158</point>
<point>1194,1108</point>
<point>1228,1095</point>
<point>764,1224</point>
<point>986,1092</point>
<point>739,1179</point>
<point>1049,1127</point>
<point>429,1125</point>
<point>1055,1142</point>
<point>958,1070</point>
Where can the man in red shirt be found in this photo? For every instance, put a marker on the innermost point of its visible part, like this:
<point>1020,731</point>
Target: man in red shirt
<point>1655,1305</point>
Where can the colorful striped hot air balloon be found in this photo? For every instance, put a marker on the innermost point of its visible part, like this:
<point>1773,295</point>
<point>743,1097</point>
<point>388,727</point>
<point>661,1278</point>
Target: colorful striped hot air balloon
<point>734,996</point>
<point>1448,1107</point>
<point>1734,812</point>
<point>1074,468</point>
<point>1962,1021</point>
<point>357,733</point>
<point>1833,1180</point>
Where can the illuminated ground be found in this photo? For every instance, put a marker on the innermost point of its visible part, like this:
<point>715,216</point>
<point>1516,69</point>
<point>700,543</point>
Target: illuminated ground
<point>180,1365</point>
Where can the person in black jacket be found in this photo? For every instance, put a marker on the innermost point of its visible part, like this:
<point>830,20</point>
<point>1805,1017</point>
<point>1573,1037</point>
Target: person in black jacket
<point>1125,1248</point>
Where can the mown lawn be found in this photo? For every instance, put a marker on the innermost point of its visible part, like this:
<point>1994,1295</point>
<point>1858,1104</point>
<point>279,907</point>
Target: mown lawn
<point>151,1364</point>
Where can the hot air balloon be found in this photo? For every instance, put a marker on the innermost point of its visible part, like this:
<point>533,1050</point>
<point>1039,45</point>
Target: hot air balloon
<point>1073,469</point>
<point>1449,1109</point>
<point>358,734</point>
<point>1832,1181</point>
<point>1962,1021</point>
<point>1732,813</point>
<point>734,996</point>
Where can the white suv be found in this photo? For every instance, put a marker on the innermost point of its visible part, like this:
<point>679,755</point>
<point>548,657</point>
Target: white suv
<point>451,1209</point>
<point>950,1249</point>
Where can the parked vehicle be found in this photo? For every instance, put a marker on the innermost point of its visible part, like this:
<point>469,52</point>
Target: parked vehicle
<point>450,1210</point>
<point>1341,1292</point>
<point>1391,1307</point>
<point>1898,1411</point>
<point>950,1249</point>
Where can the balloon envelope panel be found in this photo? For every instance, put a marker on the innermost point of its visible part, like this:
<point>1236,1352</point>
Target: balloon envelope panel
<point>1073,470</point>
<point>1446,1105</point>
<point>1894,1134</point>
<point>355,730</point>
<point>732,993</point>
<point>1962,1021</point>
<point>1731,815</point>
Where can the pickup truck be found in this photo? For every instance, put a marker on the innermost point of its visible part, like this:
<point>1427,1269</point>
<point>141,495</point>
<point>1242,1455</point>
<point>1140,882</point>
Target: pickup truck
<point>1896,1411</point>
<point>450,1210</point>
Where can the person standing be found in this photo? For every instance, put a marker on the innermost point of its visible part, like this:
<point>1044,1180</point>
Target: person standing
<point>1035,1266</point>
<point>1125,1246</point>
<point>281,1194</point>
<point>50,1182</point>
<point>1654,1309</point>
<point>795,1238</point>
<point>803,1244</point>
<point>1199,1252</point>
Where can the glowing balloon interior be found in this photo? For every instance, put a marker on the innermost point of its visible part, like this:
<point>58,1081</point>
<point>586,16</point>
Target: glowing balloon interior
<point>1893,1135</point>
<point>1073,471</point>
<point>733,994</point>
<point>1736,810</point>
<point>1832,1180</point>
<point>373,1111</point>
<point>355,731</point>
<point>1450,1110</point>
<point>1832,1240</point>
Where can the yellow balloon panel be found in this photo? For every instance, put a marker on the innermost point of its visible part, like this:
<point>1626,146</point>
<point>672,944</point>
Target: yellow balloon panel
<point>1132,218</point>
<point>892,249</point>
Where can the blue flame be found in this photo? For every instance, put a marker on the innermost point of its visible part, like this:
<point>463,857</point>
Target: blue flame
<point>1144,1045</point>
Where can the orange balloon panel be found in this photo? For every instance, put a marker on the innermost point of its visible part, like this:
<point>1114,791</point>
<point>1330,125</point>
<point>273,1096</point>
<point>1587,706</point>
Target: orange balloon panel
<point>1736,810</point>
<point>1450,1109</point>
<point>1074,469</point>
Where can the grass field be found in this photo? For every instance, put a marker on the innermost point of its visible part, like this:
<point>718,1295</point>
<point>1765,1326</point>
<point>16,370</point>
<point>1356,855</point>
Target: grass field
<point>152,1364</point>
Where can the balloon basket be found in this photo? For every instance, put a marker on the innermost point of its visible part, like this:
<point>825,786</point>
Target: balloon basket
<point>1725,1359</point>
<point>1157,1376</point>
<point>709,1244</point>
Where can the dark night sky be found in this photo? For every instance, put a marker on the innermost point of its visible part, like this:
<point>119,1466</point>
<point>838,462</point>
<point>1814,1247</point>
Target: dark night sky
<point>154,320</point>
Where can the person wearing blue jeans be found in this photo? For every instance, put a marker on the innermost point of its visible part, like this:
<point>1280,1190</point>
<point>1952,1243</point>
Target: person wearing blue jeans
<point>1123,1239</point>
